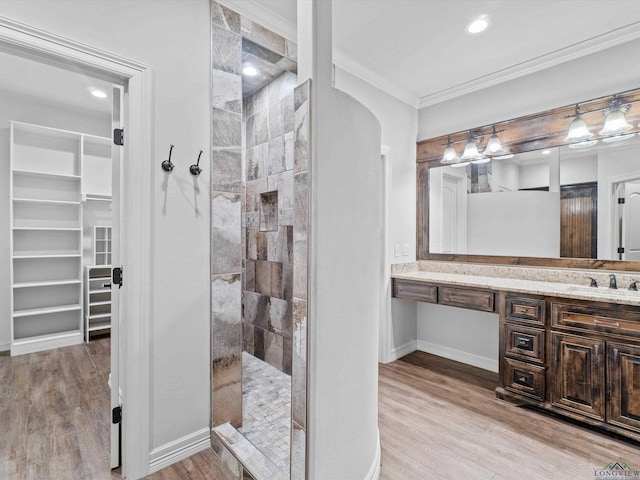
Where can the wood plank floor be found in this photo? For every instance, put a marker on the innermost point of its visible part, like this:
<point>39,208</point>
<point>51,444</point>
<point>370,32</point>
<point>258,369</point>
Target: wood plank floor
<point>441,420</point>
<point>438,420</point>
<point>54,419</point>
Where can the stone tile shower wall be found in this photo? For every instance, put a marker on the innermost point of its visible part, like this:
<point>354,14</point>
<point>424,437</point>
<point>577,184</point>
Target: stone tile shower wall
<point>275,267</point>
<point>226,217</point>
<point>268,223</point>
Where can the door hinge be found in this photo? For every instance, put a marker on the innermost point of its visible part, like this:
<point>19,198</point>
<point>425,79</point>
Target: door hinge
<point>620,249</point>
<point>117,276</point>
<point>116,414</point>
<point>118,136</point>
<point>621,201</point>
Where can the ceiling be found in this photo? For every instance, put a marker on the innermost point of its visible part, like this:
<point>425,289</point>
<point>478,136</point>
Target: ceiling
<point>55,87</point>
<point>418,50</point>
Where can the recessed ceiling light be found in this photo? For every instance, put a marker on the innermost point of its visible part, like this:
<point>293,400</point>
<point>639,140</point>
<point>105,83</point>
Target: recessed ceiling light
<point>250,71</point>
<point>98,93</point>
<point>546,152</point>
<point>478,25</point>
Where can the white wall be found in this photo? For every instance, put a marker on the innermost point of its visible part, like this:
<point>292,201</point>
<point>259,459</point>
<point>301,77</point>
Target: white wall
<point>505,176</point>
<point>534,176</point>
<point>572,82</point>
<point>24,109</point>
<point>519,224</point>
<point>399,123</point>
<point>578,170</point>
<point>173,38</point>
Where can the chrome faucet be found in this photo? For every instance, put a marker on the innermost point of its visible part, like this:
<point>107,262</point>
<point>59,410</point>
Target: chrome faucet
<point>612,281</point>
<point>594,284</point>
<point>634,285</point>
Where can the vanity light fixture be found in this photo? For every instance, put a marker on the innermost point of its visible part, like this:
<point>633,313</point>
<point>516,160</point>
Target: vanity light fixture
<point>615,123</point>
<point>578,130</point>
<point>450,155</point>
<point>494,145</point>
<point>471,148</point>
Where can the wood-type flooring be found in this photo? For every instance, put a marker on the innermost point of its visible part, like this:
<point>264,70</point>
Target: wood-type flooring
<point>438,420</point>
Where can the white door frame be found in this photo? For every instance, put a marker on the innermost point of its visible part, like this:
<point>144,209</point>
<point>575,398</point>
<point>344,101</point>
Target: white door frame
<point>135,305</point>
<point>385,341</point>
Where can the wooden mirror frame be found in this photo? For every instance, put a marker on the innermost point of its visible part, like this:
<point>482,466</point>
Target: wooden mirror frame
<point>532,132</point>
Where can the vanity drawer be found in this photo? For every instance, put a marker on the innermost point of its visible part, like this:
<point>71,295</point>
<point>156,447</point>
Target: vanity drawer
<point>612,318</point>
<point>524,309</point>
<point>524,379</point>
<point>483,300</point>
<point>524,342</point>
<point>419,291</point>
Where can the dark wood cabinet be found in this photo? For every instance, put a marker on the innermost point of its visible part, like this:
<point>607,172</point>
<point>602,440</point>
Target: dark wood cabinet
<point>578,375</point>
<point>463,297</point>
<point>623,377</point>
<point>576,358</point>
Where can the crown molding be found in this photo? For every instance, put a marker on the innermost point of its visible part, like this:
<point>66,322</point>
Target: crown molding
<point>355,68</point>
<point>563,55</point>
<point>258,13</point>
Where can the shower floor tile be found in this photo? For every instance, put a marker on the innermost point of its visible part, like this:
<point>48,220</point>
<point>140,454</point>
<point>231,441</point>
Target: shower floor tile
<point>266,409</point>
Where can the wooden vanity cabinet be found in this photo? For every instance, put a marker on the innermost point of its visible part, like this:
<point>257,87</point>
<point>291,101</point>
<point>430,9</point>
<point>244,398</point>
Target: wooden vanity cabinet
<point>578,375</point>
<point>576,358</point>
<point>522,322</point>
<point>453,296</point>
<point>623,385</point>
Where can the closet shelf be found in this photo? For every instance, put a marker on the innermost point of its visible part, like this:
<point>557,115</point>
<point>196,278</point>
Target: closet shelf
<point>44,311</point>
<point>46,283</point>
<point>62,255</point>
<point>49,229</point>
<point>39,201</point>
<point>94,197</point>
<point>33,173</point>
<point>106,325</point>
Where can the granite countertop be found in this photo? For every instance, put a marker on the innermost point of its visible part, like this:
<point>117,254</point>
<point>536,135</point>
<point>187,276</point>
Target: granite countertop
<point>531,286</point>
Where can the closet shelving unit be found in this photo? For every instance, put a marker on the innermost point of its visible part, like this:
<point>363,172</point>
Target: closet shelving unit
<point>46,241</point>
<point>97,306</point>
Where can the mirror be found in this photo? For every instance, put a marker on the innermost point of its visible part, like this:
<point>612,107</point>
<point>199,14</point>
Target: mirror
<point>538,190</point>
<point>552,203</point>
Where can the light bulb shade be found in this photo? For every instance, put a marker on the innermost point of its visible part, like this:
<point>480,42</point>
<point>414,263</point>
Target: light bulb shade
<point>450,156</point>
<point>615,123</point>
<point>494,146</point>
<point>470,151</point>
<point>578,131</point>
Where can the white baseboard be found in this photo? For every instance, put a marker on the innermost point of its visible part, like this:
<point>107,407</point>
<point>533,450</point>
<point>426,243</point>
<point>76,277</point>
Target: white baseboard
<point>485,363</point>
<point>180,449</point>
<point>376,465</point>
<point>403,350</point>
<point>5,347</point>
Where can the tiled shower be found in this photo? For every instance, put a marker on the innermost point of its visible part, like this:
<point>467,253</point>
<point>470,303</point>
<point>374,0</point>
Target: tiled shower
<point>258,240</point>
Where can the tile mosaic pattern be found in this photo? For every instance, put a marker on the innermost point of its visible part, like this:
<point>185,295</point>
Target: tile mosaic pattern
<point>268,223</point>
<point>226,218</point>
<point>266,399</point>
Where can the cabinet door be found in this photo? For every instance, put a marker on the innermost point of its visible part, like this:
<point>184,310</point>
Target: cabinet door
<point>578,375</point>
<point>623,376</point>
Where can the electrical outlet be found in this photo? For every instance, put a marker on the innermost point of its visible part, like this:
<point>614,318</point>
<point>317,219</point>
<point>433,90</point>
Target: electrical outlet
<point>405,249</point>
<point>397,250</point>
